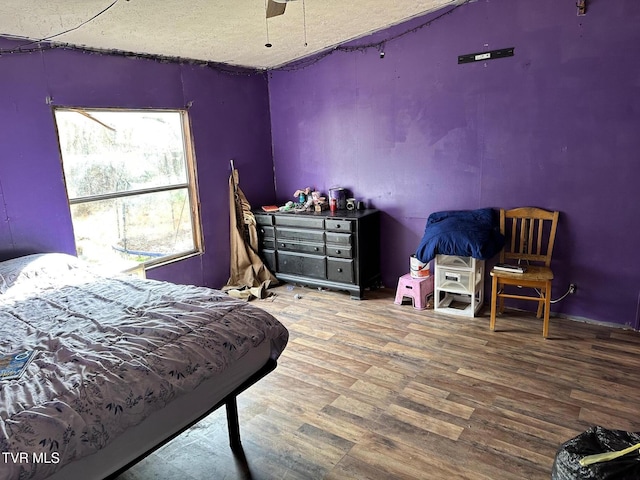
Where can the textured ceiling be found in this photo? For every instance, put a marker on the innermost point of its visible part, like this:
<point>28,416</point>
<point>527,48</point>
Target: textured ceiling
<point>228,31</point>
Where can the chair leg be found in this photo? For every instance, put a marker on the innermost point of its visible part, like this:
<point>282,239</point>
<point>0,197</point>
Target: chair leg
<point>500,301</point>
<point>494,297</point>
<point>543,295</point>
<point>547,306</point>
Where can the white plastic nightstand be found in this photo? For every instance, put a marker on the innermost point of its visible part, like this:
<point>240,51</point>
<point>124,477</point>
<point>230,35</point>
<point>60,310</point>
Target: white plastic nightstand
<point>458,285</point>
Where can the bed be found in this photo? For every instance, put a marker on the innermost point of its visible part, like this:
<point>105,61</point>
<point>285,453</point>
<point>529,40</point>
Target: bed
<point>123,365</point>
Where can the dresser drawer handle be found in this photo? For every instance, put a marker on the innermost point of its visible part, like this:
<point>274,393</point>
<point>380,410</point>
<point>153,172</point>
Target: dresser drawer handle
<point>338,252</point>
<point>339,270</point>
<point>316,249</point>
<point>283,245</point>
<point>338,225</point>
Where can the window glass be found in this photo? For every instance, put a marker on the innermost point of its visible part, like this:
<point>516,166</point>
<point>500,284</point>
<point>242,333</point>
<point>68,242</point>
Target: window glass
<point>130,185</point>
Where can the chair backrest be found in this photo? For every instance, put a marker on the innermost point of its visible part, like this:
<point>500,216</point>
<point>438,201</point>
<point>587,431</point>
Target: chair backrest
<point>529,234</point>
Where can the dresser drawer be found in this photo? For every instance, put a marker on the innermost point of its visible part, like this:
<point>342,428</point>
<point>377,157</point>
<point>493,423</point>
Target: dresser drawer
<point>339,225</point>
<point>268,243</point>
<point>341,238</point>
<point>342,251</point>
<point>340,270</point>
<point>267,232</point>
<point>283,233</point>
<point>293,221</point>
<point>302,247</point>
<point>302,264</point>
<point>269,257</point>
<point>262,219</point>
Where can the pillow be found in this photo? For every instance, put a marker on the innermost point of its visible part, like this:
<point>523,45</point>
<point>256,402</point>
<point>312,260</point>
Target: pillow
<point>47,268</point>
<point>467,233</point>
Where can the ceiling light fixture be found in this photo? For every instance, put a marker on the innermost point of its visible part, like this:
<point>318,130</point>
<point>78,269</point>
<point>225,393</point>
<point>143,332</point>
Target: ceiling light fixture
<point>274,8</point>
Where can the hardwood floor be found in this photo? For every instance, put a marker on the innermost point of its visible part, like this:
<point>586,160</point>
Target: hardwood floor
<point>372,390</point>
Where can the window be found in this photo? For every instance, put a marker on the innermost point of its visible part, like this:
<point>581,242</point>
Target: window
<point>131,185</point>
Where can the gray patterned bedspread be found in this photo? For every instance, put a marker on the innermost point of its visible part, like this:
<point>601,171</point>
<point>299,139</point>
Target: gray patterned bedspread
<point>111,350</point>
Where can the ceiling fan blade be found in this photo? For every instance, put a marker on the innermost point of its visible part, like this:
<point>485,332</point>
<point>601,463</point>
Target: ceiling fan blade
<point>275,8</point>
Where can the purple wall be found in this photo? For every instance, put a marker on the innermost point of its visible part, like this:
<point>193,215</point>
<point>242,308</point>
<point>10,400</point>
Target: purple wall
<point>229,117</point>
<point>555,126</point>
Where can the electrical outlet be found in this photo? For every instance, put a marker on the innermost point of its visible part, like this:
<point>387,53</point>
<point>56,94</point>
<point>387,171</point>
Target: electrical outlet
<point>572,288</point>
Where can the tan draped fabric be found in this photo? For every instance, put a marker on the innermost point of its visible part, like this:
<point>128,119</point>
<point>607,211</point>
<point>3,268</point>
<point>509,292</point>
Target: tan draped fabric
<point>250,277</point>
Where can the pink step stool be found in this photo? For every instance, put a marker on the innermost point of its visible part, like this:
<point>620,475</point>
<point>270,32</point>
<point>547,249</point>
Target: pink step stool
<point>418,289</point>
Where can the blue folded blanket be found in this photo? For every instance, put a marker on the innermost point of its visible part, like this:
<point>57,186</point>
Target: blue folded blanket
<point>467,233</point>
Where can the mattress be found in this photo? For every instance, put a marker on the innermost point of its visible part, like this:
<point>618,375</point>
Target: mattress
<point>120,361</point>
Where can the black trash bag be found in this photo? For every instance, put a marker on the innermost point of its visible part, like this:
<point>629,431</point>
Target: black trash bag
<point>566,465</point>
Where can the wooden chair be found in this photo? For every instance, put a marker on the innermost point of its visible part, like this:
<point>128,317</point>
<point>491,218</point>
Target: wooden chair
<point>529,237</point>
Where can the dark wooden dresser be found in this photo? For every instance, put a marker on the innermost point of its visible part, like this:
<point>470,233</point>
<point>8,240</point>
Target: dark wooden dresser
<point>337,250</point>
